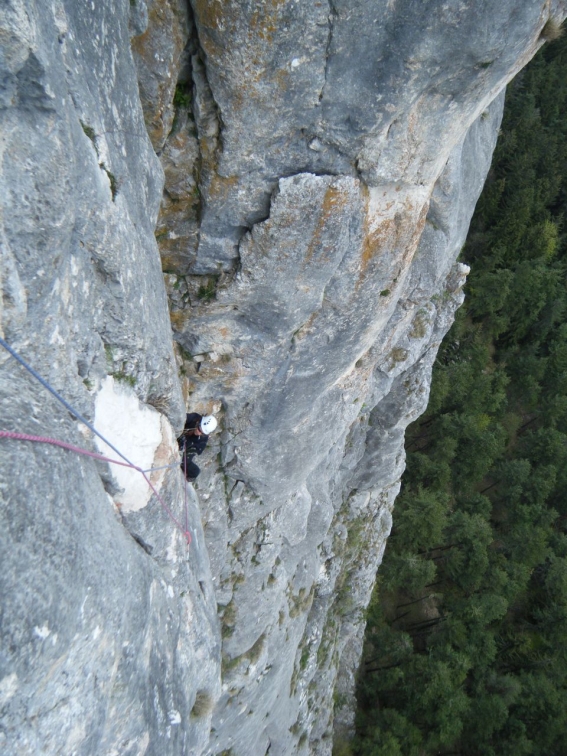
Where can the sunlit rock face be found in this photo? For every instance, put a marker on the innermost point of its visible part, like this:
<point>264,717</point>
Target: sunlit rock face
<point>304,174</point>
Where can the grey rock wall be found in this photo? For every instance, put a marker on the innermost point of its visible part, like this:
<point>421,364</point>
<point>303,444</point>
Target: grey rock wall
<point>98,638</point>
<point>307,526</point>
<point>382,91</point>
<point>321,164</point>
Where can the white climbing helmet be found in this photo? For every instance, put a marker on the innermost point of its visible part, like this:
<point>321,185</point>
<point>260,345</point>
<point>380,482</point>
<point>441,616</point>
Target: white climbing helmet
<point>208,424</point>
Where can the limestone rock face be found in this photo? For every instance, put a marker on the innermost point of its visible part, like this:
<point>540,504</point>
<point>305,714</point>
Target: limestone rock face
<point>308,171</point>
<point>98,637</point>
<point>376,90</point>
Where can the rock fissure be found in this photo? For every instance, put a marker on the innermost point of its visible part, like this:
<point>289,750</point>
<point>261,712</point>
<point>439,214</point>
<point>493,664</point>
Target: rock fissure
<point>333,15</point>
<point>207,117</point>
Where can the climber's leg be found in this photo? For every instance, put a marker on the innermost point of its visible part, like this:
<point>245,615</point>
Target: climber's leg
<point>190,468</point>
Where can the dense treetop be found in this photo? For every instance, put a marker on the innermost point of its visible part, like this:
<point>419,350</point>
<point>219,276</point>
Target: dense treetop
<point>466,649</point>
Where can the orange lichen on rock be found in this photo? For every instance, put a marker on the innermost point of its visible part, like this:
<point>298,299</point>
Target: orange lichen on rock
<point>282,79</point>
<point>221,186</point>
<point>375,241</point>
<point>211,13</point>
<point>264,20</point>
<point>179,318</point>
<point>333,201</point>
<point>392,227</point>
<point>411,242</point>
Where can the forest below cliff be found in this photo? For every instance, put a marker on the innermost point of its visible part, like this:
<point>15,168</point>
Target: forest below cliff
<point>466,646</point>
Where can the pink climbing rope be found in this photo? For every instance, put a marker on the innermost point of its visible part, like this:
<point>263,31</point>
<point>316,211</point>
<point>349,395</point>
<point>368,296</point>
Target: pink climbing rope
<point>86,453</point>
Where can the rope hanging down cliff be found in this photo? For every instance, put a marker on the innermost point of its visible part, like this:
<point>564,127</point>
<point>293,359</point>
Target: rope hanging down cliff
<point>78,450</point>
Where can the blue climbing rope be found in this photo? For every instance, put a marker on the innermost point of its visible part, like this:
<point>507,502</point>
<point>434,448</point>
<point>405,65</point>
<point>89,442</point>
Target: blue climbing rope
<point>59,398</point>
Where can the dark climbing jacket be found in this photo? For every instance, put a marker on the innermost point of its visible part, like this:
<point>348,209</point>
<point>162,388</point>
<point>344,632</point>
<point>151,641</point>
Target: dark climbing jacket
<point>188,443</point>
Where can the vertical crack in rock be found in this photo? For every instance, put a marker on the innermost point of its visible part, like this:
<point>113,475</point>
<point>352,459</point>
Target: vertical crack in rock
<point>207,118</point>
<point>333,16</point>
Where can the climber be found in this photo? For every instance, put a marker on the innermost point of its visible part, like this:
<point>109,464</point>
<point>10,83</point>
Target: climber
<point>193,441</point>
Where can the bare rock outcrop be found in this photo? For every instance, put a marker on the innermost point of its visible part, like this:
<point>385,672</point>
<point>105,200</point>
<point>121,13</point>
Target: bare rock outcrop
<point>308,172</point>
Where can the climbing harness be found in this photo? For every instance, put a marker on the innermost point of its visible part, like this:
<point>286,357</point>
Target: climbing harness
<point>85,452</point>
